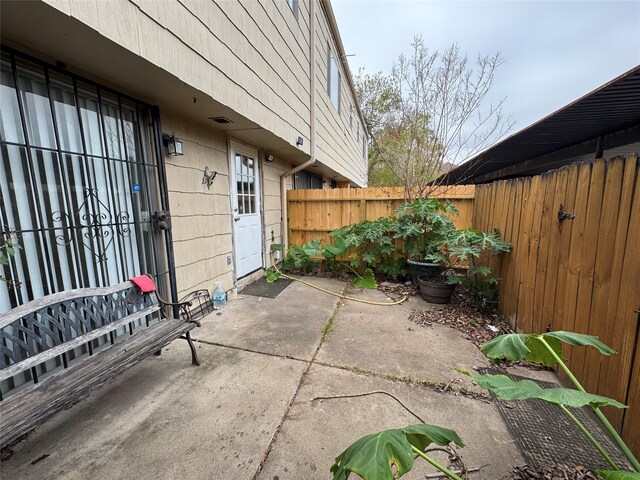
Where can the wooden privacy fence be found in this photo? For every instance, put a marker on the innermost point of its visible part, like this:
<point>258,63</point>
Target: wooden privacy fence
<point>315,213</point>
<point>580,274</point>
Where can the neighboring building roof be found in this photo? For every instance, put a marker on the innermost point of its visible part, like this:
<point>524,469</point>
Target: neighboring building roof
<point>612,107</point>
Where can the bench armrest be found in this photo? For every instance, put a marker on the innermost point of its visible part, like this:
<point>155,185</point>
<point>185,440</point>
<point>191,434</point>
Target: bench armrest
<point>184,308</point>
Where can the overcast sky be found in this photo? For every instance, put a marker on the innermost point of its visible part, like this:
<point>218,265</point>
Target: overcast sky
<point>554,52</point>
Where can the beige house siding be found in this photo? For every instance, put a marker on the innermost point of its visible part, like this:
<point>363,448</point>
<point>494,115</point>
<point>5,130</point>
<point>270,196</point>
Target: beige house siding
<point>249,59</point>
<point>218,48</point>
<point>251,56</point>
<point>337,144</point>
<point>271,201</point>
<point>201,219</point>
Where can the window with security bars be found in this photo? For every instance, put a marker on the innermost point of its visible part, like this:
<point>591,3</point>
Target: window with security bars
<point>78,181</point>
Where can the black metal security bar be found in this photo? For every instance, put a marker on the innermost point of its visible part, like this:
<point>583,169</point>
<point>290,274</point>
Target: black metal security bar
<point>97,220</point>
<point>81,173</point>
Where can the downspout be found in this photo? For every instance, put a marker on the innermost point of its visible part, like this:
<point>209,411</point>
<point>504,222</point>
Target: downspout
<point>312,125</point>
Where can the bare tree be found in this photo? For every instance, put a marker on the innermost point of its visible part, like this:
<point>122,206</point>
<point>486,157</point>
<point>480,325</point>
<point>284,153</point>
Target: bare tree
<point>434,112</point>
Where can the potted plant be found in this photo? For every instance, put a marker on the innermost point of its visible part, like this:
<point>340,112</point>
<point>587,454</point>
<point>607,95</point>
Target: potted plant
<point>423,226</point>
<point>465,247</point>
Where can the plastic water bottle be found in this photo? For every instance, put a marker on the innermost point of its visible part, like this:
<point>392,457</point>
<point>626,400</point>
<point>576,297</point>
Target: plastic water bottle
<point>219,297</point>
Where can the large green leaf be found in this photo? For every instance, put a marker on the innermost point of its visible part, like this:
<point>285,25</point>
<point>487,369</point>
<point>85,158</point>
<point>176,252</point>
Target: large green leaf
<point>508,389</point>
<point>539,353</point>
<point>519,346</point>
<point>272,275</point>
<point>581,340</point>
<point>367,280</point>
<point>388,455</point>
<point>511,346</point>
<point>340,248</point>
<point>616,475</point>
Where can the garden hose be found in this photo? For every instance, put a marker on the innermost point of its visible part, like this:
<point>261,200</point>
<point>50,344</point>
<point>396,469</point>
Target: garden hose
<point>339,295</point>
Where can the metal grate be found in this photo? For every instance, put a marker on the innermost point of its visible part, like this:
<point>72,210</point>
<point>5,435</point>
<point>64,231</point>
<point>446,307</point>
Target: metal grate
<point>546,436</point>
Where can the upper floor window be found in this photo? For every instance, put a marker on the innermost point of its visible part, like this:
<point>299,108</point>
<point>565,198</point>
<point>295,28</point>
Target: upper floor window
<point>333,80</point>
<point>293,4</point>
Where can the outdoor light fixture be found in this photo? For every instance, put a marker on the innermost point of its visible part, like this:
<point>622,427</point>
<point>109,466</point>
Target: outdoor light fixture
<point>270,158</point>
<point>174,146</point>
<point>299,142</point>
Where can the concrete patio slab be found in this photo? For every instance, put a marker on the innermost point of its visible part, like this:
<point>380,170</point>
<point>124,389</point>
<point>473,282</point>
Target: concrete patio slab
<point>289,325</point>
<point>383,340</point>
<point>246,412</point>
<point>166,419</point>
<point>315,432</point>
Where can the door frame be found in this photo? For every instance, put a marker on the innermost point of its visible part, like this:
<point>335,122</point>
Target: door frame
<point>234,145</point>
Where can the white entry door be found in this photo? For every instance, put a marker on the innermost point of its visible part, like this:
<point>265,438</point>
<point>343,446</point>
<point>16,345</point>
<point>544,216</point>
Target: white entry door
<point>247,221</point>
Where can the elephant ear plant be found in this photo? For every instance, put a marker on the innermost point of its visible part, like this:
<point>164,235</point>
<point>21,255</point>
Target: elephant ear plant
<point>390,454</point>
<point>546,349</point>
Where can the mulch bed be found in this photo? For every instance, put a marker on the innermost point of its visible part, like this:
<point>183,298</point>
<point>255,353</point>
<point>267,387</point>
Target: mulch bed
<point>477,325</point>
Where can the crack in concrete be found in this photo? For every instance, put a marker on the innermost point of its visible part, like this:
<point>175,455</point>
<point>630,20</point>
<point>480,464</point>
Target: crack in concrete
<point>249,350</point>
<point>435,386</point>
<point>325,332</point>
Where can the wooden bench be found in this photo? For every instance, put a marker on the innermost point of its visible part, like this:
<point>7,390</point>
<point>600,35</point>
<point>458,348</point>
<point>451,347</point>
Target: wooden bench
<point>59,327</point>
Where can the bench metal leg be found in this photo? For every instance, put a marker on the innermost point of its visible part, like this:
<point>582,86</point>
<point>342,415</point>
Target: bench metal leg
<point>194,354</point>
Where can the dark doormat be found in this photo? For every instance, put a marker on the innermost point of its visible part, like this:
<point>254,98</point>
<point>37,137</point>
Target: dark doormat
<point>546,436</point>
<point>261,288</point>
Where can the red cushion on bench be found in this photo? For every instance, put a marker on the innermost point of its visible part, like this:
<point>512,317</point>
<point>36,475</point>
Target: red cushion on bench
<point>144,283</point>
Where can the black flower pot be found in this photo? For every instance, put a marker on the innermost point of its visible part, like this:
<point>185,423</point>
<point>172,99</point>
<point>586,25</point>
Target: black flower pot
<point>430,270</point>
<point>435,291</point>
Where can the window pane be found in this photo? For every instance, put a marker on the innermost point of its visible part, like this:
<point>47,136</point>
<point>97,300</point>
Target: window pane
<point>10,124</point>
<point>239,176</point>
<point>131,139</point>
<point>66,116</point>
<point>37,108</point>
<point>245,169</point>
<point>89,114</point>
<point>247,204</point>
<point>250,185</point>
<point>250,166</point>
<point>333,80</point>
<point>112,128</point>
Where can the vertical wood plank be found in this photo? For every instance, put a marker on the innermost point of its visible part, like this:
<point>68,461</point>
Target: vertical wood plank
<point>572,281</point>
<point>512,276</point>
<point>553,255</point>
<point>588,251</point>
<point>522,256</point>
<point>537,196</point>
<point>625,326</point>
<point>547,227</point>
<point>603,268</point>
